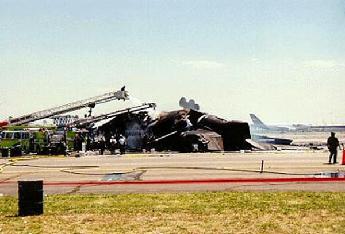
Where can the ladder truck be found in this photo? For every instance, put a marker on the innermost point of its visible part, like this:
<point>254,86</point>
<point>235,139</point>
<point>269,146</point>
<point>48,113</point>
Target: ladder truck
<point>90,102</point>
<point>18,141</point>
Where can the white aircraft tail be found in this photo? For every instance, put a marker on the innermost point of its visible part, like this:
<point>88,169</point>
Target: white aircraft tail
<point>257,122</point>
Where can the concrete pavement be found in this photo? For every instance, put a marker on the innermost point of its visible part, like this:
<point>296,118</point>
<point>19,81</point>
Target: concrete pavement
<point>73,174</point>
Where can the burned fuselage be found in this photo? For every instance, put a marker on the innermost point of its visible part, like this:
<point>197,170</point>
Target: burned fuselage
<point>181,130</point>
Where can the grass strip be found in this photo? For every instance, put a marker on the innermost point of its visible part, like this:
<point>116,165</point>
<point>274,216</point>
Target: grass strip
<point>202,212</point>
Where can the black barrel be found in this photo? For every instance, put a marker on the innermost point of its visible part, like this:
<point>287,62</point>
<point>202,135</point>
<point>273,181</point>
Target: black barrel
<point>30,197</point>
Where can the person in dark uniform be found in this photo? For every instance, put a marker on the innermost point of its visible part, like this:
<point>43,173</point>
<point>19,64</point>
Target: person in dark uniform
<point>31,144</point>
<point>333,144</point>
<point>77,143</point>
<point>145,143</point>
<point>62,147</point>
<point>102,145</point>
<point>88,143</point>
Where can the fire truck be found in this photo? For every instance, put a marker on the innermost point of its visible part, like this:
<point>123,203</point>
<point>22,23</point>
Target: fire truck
<point>18,138</point>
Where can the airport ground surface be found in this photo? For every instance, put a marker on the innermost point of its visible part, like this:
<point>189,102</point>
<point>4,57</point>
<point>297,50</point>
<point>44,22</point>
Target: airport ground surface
<point>175,172</point>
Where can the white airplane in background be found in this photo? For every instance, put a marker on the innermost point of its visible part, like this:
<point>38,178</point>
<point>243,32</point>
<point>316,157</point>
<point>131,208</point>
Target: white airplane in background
<point>258,125</point>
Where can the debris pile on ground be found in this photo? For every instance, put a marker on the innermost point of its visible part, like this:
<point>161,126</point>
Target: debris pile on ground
<point>183,130</point>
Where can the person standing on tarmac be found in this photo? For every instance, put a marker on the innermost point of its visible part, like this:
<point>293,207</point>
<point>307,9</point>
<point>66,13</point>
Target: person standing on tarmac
<point>333,144</point>
<point>77,143</point>
<point>102,145</point>
<point>122,143</point>
<point>113,144</point>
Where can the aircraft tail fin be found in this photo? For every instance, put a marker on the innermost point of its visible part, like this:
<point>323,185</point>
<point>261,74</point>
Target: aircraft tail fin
<point>257,122</point>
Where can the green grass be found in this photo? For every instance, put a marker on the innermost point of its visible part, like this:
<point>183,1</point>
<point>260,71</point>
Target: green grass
<point>207,212</point>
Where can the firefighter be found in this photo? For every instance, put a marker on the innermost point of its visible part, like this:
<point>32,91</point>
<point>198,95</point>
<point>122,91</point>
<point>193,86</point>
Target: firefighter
<point>122,144</point>
<point>102,145</point>
<point>113,143</point>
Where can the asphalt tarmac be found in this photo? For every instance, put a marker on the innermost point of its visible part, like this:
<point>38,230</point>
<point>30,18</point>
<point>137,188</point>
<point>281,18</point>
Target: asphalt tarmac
<point>175,172</point>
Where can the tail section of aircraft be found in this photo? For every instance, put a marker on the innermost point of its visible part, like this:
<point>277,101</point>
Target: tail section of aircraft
<point>257,122</point>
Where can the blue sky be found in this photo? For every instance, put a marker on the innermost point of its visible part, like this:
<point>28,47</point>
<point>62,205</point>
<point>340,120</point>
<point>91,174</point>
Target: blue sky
<point>283,60</point>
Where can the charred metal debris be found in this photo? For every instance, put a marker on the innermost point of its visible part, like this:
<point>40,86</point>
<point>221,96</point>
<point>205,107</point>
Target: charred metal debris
<point>183,130</point>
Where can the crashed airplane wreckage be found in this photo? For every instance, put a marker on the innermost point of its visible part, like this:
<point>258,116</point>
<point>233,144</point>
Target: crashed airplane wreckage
<point>184,130</point>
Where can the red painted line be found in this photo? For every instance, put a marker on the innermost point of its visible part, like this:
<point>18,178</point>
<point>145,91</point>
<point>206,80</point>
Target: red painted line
<point>241,180</point>
<point>197,181</point>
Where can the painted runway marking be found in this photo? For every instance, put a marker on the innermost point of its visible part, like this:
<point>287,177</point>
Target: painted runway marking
<point>197,181</point>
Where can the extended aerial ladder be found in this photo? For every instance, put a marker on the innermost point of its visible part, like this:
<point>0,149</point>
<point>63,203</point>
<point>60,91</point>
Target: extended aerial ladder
<point>90,102</point>
<point>94,119</point>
